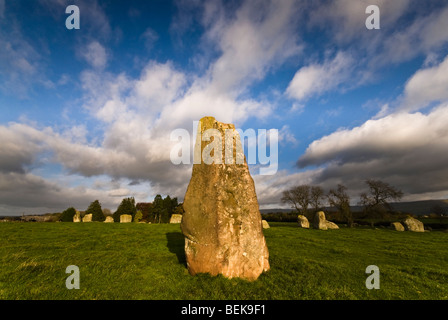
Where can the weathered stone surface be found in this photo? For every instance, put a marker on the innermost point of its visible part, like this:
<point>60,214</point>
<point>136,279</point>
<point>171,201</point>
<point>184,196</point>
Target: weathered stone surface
<point>265,224</point>
<point>319,221</point>
<point>397,226</point>
<point>77,217</point>
<point>176,218</point>
<point>412,224</point>
<point>303,221</point>
<point>331,225</point>
<point>125,218</point>
<point>222,222</point>
<point>87,218</point>
<point>109,219</point>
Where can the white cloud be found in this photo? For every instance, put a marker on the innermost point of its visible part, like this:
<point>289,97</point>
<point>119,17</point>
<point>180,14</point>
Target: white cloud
<point>76,134</point>
<point>319,78</point>
<point>260,36</point>
<point>297,108</point>
<point>433,34</point>
<point>424,35</point>
<point>20,62</point>
<point>426,86</point>
<point>149,37</point>
<point>95,54</point>
<point>111,110</point>
<point>158,86</point>
<point>252,41</point>
<point>286,136</point>
<point>400,39</point>
<point>384,110</point>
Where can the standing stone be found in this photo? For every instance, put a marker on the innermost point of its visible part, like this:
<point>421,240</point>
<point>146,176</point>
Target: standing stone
<point>222,221</point>
<point>87,218</point>
<point>77,217</point>
<point>397,226</point>
<point>125,218</point>
<point>176,218</point>
<point>265,224</point>
<point>319,221</point>
<point>303,221</point>
<point>109,219</point>
<point>331,225</point>
<point>412,224</point>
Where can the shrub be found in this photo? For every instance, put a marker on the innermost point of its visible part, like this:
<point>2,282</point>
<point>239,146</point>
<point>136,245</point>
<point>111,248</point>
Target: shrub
<point>68,214</point>
<point>138,216</point>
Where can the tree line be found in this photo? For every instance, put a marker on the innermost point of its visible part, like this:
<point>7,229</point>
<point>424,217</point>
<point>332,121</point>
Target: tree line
<point>158,211</point>
<point>376,201</point>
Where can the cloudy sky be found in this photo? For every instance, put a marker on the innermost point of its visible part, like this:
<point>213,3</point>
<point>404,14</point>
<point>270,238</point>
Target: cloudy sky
<point>87,114</point>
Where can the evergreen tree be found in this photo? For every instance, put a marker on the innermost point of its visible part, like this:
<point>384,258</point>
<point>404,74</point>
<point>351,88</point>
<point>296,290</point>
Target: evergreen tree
<point>169,207</point>
<point>127,206</point>
<point>68,214</point>
<point>158,208</point>
<point>96,211</point>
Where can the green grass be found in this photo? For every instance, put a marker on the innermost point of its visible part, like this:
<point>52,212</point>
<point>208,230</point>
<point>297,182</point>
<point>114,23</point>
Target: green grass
<point>141,261</point>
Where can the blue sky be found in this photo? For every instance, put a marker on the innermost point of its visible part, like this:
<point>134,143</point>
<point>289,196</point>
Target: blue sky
<point>87,114</point>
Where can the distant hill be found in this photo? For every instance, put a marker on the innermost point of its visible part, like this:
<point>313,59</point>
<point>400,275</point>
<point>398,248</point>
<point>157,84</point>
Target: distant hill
<point>414,207</point>
<point>420,207</point>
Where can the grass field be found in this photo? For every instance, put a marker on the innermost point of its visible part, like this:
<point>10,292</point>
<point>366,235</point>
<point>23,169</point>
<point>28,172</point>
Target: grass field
<point>143,261</point>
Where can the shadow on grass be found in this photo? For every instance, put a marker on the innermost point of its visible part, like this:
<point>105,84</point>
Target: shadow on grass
<point>176,244</point>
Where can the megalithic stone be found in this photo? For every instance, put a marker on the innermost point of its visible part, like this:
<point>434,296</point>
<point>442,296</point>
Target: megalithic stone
<point>222,221</point>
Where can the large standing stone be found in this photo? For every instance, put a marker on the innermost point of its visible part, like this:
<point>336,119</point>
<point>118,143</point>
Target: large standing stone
<point>412,224</point>
<point>125,218</point>
<point>87,218</point>
<point>77,217</point>
<point>176,218</point>
<point>222,222</point>
<point>303,221</point>
<point>319,221</point>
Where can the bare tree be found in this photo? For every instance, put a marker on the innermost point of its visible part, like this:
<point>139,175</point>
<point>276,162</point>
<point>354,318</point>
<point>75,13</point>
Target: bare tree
<point>340,199</point>
<point>376,201</point>
<point>380,193</point>
<point>317,195</point>
<point>298,197</point>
